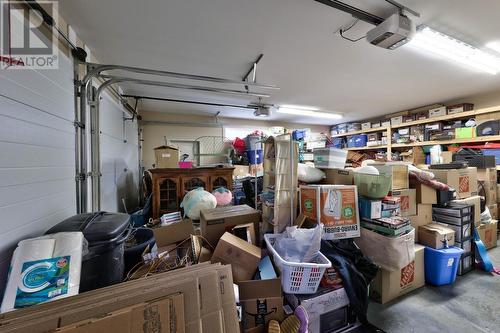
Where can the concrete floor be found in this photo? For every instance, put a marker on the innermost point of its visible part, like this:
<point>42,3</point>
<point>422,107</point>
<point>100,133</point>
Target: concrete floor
<point>472,304</point>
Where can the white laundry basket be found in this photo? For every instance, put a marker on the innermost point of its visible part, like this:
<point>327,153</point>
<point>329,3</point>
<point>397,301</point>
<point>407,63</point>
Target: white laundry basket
<point>297,278</point>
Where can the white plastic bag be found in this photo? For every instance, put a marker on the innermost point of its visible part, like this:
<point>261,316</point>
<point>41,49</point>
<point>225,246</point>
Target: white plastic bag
<point>309,174</point>
<point>300,245</point>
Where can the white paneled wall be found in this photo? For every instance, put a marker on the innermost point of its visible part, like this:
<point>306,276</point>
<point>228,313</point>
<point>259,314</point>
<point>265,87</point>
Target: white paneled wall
<point>119,157</point>
<point>37,158</point>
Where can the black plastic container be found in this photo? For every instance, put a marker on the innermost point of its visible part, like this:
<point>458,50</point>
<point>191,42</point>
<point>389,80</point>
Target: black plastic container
<point>105,233</point>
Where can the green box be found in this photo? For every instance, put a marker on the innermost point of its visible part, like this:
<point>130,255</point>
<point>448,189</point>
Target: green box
<point>465,132</point>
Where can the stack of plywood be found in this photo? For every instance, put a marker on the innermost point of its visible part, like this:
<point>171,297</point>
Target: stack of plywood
<point>198,298</point>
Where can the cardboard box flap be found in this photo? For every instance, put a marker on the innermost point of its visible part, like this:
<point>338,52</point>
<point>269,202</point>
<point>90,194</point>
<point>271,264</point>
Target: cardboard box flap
<point>225,212</point>
<point>259,289</point>
<point>165,147</point>
<point>173,233</point>
<point>436,228</point>
<point>232,240</point>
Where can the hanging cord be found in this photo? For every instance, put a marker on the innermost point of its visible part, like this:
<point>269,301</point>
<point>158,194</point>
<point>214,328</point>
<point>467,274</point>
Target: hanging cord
<point>342,31</point>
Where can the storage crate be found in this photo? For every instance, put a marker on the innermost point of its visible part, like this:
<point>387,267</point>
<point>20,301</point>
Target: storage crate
<point>493,152</point>
<point>297,278</point>
<point>466,264</point>
<point>329,158</point>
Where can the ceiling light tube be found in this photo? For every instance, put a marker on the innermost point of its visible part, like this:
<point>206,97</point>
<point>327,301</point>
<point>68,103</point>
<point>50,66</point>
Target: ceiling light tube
<point>455,50</point>
<point>308,112</point>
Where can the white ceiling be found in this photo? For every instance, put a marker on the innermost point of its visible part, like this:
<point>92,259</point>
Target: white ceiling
<point>302,55</point>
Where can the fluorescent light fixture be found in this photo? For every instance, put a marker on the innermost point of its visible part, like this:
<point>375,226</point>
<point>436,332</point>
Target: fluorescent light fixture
<point>307,111</point>
<point>455,50</point>
<point>495,46</point>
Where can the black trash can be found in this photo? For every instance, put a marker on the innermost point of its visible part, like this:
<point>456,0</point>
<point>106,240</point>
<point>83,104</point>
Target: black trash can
<point>142,237</point>
<point>106,233</point>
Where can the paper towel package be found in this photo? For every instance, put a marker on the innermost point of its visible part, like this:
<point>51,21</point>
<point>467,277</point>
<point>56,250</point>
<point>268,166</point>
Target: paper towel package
<point>44,269</point>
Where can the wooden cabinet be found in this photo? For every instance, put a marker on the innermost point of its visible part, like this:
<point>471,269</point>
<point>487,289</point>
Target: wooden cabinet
<point>170,185</point>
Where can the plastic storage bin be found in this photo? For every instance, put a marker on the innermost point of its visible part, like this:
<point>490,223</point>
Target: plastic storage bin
<point>253,142</point>
<point>441,266</point>
<point>372,186</point>
<point>329,158</point>
<point>297,278</point>
<point>254,156</point>
<point>106,234</point>
<point>133,254</point>
<point>493,152</point>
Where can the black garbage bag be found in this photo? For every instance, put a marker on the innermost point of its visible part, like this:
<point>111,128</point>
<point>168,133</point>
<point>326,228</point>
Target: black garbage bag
<point>357,272</point>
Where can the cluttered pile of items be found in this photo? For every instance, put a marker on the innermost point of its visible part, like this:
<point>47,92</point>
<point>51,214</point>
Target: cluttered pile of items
<point>327,239</point>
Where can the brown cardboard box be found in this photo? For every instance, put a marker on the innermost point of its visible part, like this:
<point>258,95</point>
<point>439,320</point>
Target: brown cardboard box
<point>423,217</point>
<point>414,156</point>
<point>498,193</point>
<point>199,285</point>
<point>446,157</point>
<point>241,171</point>
<point>167,313</point>
<point>261,300</point>
<point>425,194</point>
<point>435,235</point>
<point>390,285</point>
<point>489,174</point>
<point>173,233</point>
<point>245,231</point>
<point>214,222</point>
<point>339,176</point>
<point>464,181</point>
<point>491,195</point>
<point>398,172</point>
<point>408,201</point>
<point>493,211</point>
<point>243,257</point>
<point>166,157</point>
<point>488,234</point>
<point>476,201</point>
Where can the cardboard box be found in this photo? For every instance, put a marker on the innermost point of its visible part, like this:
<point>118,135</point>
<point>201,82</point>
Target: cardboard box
<point>425,194</point>
<point>493,211</point>
<point>476,201</point>
<point>214,222</point>
<point>261,301</point>
<point>336,206</point>
<point>446,157</point>
<point>371,209</point>
<point>437,112</point>
<point>241,255</point>
<point>327,309</point>
<point>386,123</point>
<point>488,234</point>
<point>436,235</point>
<point>398,172</point>
<point>464,181</point>
<point>408,198</point>
<point>415,156</point>
<point>167,313</point>
<point>245,231</point>
<point>166,157</point>
<point>365,126</point>
<point>173,233</point>
<point>489,175</point>
<point>389,285</point>
<point>423,217</point>
<point>396,120</point>
<point>491,196</point>
<point>241,171</point>
<point>339,176</point>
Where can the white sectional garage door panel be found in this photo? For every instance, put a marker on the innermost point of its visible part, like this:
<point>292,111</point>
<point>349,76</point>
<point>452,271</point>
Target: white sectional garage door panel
<point>37,159</point>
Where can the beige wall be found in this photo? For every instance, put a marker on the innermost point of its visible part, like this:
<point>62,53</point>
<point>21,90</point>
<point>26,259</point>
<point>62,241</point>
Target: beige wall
<point>184,127</point>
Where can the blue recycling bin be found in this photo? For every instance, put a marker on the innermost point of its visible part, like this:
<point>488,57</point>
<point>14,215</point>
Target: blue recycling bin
<point>441,265</point>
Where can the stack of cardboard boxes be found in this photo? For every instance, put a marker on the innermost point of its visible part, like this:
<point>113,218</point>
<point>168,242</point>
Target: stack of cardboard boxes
<point>199,298</point>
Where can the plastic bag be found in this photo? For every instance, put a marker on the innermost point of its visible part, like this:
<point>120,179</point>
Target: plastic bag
<point>300,245</point>
<point>309,174</point>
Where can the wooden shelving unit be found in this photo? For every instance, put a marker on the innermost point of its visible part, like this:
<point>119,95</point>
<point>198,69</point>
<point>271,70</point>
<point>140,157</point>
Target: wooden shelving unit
<point>389,146</point>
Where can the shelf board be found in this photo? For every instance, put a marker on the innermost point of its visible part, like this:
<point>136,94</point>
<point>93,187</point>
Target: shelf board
<point>448,142</point>
<point>369,130</point>
<point>367,148</point>
<point>466,114</point>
